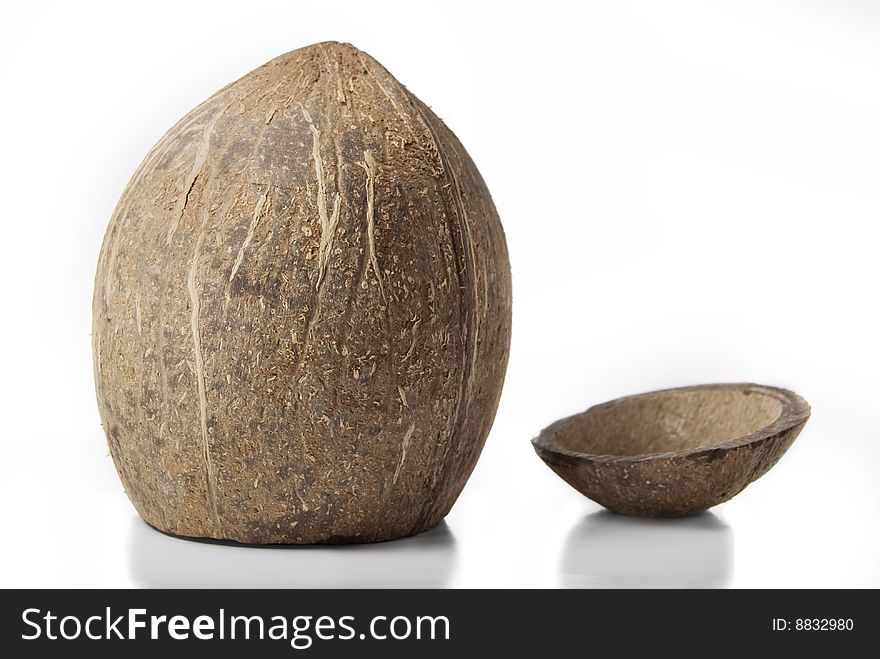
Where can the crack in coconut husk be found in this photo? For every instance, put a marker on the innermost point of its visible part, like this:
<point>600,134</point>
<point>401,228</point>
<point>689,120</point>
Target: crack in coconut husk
<point>195,304</point>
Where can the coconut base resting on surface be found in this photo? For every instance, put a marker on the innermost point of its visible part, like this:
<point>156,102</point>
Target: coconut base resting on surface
<point>302,311</point>
<point>674,452</point>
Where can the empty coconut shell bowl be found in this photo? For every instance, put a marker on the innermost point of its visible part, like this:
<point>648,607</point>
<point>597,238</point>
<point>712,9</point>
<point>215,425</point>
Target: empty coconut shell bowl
<point>674,452</point>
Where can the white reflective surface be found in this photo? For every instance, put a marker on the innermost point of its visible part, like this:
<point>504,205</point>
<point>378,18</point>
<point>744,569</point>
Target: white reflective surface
<point>158,560</point>
<point>605,550</point>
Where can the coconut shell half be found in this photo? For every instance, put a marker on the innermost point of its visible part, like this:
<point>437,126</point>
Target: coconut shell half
<point>674,452</point>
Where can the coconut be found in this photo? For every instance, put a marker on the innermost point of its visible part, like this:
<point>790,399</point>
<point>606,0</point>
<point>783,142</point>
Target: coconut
<point>302,311</point>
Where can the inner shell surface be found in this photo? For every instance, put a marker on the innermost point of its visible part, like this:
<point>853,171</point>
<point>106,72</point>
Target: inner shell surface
<point>671,421</point>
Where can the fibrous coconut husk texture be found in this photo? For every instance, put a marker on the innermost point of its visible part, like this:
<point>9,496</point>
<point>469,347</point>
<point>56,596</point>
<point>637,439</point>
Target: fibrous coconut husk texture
<point>302,311</point>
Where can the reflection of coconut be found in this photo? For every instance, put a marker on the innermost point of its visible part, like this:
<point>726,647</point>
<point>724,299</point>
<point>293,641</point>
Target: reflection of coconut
<point>302,311</point>
<point>606,550</point>
<point>157,560</point>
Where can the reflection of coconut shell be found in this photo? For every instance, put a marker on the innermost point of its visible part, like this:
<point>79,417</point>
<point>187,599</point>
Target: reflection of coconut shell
<point>302,311</point>
<point>674,452</point>
<point>612,551</point>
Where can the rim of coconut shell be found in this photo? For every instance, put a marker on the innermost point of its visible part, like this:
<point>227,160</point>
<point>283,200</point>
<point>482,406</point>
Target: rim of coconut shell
<point>794,411</point>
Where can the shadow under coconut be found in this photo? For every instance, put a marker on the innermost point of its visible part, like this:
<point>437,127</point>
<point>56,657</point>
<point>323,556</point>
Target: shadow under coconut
<point>606,550</point>
<point>158,560</point>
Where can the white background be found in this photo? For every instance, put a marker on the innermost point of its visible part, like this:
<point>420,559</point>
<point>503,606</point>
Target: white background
<point>690,191</point>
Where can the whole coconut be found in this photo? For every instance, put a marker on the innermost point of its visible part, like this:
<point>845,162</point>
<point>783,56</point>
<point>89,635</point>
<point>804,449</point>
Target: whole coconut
<point>302,311</point>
